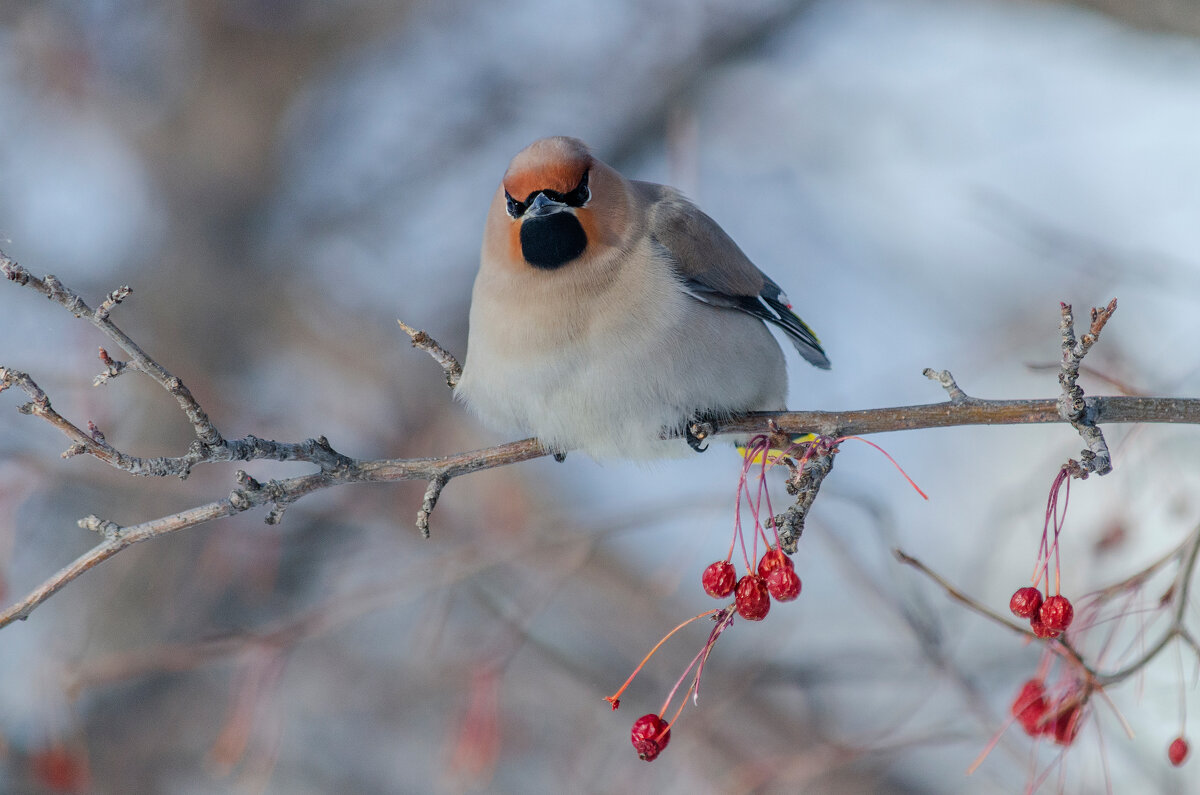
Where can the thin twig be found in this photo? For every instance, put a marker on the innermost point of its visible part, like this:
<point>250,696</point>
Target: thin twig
<point>1180,594</point>
<point>959,596</point>
<point>1189,554</point>
<point>53,289</point>
<point>283,491</point>
<point>423,341</point>
<point>210,445</point>
<point>429,502</point>
<point>1060,644</point>
<point>948,383</point>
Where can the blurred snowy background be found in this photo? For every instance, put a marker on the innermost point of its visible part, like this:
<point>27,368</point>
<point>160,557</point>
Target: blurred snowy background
<point>279,181</point>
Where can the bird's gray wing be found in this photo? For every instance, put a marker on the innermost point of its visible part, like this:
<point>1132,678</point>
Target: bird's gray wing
<point>714,270</point>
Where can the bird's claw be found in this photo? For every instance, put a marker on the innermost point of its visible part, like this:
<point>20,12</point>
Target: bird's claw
<point>697,432</point>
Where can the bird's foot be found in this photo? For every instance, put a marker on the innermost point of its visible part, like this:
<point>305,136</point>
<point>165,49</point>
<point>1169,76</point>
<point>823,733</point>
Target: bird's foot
<point>697,432</point>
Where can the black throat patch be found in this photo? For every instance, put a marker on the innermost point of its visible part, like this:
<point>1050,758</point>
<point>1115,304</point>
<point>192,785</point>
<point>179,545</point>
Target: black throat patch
<point>551,241</point>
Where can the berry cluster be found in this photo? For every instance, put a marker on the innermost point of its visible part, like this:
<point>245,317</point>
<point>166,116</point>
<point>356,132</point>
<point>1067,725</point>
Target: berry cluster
<point>1048,617</point>
<point>1054,712</point>
<point>1041,715</point>
<point>774,578</point>
<point>752,594</point>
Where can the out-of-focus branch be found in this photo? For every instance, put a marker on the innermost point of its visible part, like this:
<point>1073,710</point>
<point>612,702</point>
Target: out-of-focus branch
<point>1177,599</point>
<point>960,597</point>
<point>1169,16</point>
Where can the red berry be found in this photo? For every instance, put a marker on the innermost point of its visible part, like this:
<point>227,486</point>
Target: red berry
<point>774,559</point>
<point>650,736</point>
<point>1056,613</point>
<point>751,598</point>
<point>1025,602</point>
<point>1178,751</point>
<point>1041,630</point>
<point>719,579</point>
<point>1066,725</point>
<point>1030,706</point>
<point>783,584</point>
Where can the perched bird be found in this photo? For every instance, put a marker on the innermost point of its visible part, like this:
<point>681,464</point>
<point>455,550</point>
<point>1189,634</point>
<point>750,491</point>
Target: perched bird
<point>609,313</point>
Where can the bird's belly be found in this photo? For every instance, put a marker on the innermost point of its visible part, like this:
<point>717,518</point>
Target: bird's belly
<point>617,393</point>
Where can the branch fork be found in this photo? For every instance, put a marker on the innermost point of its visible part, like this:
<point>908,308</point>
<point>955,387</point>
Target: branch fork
<point>804,483</point>
<point>1072,406</point>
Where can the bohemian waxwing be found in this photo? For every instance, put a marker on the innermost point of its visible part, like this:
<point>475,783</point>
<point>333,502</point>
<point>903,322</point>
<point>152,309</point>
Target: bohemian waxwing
<point>609,313</point>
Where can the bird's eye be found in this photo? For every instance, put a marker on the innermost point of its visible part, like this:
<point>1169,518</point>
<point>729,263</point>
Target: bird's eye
<point>515,208</point>
<point>581,194</point>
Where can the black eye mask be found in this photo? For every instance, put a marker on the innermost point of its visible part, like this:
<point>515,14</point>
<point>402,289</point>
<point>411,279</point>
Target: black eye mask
<point>578,197</point>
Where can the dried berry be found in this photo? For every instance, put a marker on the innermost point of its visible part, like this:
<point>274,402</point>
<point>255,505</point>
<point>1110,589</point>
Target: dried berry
<point>1066,725</point>
<point>1178,751</point>
<point>719,579</point>
<point>783,584</point>
<point>1030,706</point>
<point>650,736</point>
<point>1041,630</point>
<point>751,598</point>
<point>1056,613</point>
<point>774,559</point>
<point>1025,602</point>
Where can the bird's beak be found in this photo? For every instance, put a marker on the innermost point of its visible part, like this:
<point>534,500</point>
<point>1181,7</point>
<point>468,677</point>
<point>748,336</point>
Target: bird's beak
<point>541,206</point>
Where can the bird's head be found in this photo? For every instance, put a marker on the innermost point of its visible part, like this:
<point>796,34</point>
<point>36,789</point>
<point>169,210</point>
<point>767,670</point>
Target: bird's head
<point>548,202</point>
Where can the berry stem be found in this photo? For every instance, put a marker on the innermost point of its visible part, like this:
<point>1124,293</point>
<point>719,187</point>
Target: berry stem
<point>682,704</point>
<point>1058,525</point>
<point>697,662</point>
<point>763,491</point>
<point>987,749</point>
<point>615,698</point>
<point>911,482</point>
<point>1041,568</point>
<point>724,622</point>
<point>738,536</point>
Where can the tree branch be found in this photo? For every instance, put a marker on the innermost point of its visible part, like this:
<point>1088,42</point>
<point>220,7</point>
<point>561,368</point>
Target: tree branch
<point>968,411</point>
<point>336,469</point>
<point>53,289</point>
